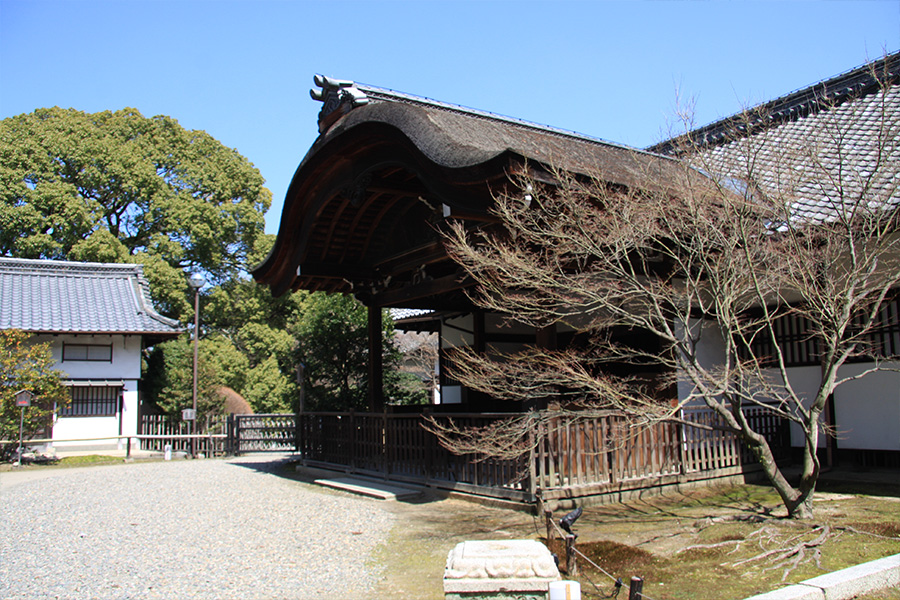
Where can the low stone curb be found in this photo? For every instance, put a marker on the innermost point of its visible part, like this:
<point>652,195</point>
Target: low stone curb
<point>847,583</point>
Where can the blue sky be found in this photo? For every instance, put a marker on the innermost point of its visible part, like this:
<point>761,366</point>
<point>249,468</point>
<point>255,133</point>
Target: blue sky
<point>241,70</point>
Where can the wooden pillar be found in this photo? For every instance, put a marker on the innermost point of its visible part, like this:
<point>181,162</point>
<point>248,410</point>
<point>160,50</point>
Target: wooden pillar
<point>478,332</point>
<point>546,337</point>
<point>376,362</point>
<point>479,345</point>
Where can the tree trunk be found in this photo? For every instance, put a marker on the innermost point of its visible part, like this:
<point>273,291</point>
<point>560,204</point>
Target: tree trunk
<point>798,502</point>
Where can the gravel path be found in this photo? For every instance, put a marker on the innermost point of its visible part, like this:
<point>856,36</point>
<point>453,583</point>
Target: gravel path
<point>217,529</point>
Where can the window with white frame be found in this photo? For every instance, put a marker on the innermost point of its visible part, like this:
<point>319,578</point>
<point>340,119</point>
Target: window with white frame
<point>87,352</point>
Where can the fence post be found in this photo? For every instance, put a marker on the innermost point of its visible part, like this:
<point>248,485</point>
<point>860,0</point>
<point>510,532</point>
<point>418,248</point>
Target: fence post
<point>352,440</point>
<point>429,449</point>
<point>386,445</point>
<point>532,467</point>
<point>548,517</point>
<point>636,588</point>
<point>231,435</point>
<point>571,565</point>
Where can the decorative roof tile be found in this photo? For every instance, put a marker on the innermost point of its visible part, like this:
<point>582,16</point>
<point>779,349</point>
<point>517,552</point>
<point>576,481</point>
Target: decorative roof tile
<point>49,296</point>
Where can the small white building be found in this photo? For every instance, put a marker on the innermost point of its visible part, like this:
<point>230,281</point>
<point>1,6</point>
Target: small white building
<point>98,319</point>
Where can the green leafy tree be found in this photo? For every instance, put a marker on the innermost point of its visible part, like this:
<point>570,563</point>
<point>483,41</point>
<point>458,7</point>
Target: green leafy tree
<point>170,376</point>
<point>25,365</point>
<point>117,186</point>
<point>332,345</point>
<point>268,389</point>
<point>258,326</point>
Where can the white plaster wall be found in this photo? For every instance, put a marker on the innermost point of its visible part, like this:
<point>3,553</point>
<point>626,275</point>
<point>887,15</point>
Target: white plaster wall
<point>88,428</point>
<point>126,354</point>
<point>457,332</point>
<point>710,352</point>
<point>805,382</point>
<point>451,394</point>
<point>125,366</point>
<point>867,410</point>
<point>84,431</point>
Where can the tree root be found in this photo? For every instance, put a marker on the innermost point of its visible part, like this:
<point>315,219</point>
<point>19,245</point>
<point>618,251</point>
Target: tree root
<point>778,553</point>
<point>793,556</point>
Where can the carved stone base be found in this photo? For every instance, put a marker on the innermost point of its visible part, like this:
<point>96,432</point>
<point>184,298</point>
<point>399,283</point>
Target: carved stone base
<point>499,570</point>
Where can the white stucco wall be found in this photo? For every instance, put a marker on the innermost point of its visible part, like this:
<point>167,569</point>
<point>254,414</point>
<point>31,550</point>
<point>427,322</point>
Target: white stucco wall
<point>125,366</point>
<point>867,411</point>
<point>710,352</point>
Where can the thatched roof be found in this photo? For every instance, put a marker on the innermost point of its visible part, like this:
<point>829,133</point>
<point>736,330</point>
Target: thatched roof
<point>365,204</point>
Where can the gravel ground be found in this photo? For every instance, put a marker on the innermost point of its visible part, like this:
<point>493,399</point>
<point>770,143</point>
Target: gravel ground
<point>217,529</point>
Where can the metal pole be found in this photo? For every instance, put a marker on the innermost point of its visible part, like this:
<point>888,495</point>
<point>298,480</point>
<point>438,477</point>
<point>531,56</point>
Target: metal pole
<point>196,336</point>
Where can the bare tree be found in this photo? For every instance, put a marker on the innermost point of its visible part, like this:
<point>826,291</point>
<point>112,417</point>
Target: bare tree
<point>709,259</point>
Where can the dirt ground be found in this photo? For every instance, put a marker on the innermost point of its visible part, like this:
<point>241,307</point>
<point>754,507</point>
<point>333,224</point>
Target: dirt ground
<point>648,538</point>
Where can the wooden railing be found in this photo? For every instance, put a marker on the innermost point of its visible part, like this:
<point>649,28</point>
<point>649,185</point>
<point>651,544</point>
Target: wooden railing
<point>570,454</point>
<point>397,446</point>
<point>158,431</point>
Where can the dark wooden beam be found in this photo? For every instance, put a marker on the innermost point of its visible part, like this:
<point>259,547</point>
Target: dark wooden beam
<point>413,258</point>
<point>408,293</point>
<point>332,271</point>
<point>546,337</point>
<point>376,364</point>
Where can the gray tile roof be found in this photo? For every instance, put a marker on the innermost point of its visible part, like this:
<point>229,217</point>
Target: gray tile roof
<point>70,297</point>
<point>830,147</point>
<point>398,314</point>
<point>818,172</point>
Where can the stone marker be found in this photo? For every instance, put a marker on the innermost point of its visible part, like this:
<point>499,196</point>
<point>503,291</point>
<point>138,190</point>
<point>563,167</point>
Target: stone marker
<point>499,570</point>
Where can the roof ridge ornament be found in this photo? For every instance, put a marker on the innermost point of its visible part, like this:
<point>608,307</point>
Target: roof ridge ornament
<point>339,96</point>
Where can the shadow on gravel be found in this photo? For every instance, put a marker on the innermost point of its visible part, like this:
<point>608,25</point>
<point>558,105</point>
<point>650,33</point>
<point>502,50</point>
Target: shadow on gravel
<point>286,466</point>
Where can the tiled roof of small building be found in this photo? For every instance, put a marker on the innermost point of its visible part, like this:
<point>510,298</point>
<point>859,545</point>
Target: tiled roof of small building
<point>824,148</point>
<point>45,296</point>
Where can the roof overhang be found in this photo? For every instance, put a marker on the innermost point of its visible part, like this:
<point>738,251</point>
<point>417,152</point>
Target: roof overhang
<point>366,206</point>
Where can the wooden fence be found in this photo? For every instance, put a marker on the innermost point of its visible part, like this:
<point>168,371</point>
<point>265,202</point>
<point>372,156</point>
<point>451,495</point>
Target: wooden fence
<point>397,446</point>
<point>571,455</point>
<point>158,431</point>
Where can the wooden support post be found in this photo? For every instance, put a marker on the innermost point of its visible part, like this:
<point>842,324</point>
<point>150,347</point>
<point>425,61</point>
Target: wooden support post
<point>571,565</point>
<point>376,367</point>
<point>548,517</point>
<point>636,588</point>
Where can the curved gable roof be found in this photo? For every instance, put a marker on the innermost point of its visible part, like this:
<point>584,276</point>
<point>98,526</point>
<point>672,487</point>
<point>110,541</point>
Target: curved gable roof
<point>388,167</point>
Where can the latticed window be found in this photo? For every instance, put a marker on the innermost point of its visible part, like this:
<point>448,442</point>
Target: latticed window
<point>93,401</point>
<point>800,347</point>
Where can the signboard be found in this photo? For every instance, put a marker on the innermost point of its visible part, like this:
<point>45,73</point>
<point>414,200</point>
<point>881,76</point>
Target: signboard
<point>23,398</point>
<point>188,414</point>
